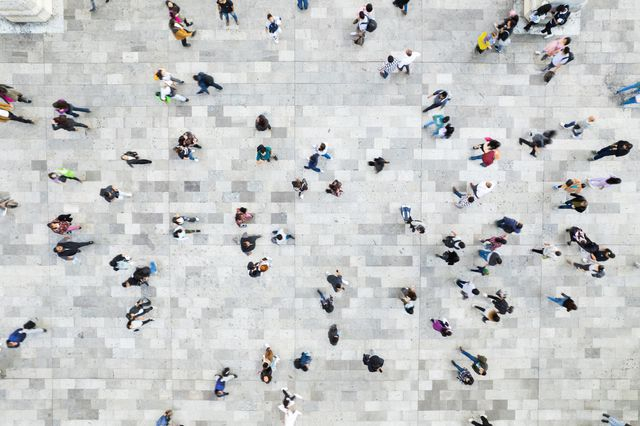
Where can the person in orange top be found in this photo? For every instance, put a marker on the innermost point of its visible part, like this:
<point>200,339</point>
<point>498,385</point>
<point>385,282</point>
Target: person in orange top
<point>572,186</point>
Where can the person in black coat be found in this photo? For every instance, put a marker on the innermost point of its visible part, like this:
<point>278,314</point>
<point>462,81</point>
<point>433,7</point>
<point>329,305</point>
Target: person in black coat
<point>204,82</point>
<point>66,249</point>
<point>451,257</point>
<point>373,362</point>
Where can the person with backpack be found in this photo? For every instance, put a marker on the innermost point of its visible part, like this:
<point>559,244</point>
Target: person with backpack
<point>378,164</point>
<point>165,419</point>
<point>509,225</point>
<point>467,289</point>
<point>449,256</point>
<point>326,303</point>
<point>303,362</point>
<point>18,336</point>
<point>451,241</point>
<point>441,98</point>
<point>561,14</point>
<point>488,314</point>
<point>221,382</point>
<point>480,365</point>
<point>490,152</point>
<point>269,362</point>
<point>564,301</point>
<point>577,203</point>
<point>300,186</point>
<point>442,326</point>
<point>11,95</point>
<point>538,141</point>
<point>403,5</point>
<point>559,59</point>
<point>66,123</point>
<point>499,301</point>
<point>619,149</point>
<point>263,153</point>
<point>226,9</point>
<point>333,334</point>
<point>120,262</point>
<point>373,362</point>
<point>274,27</point>
<point>205,81</point>
<point>444,132</point>
<point>366,24</point>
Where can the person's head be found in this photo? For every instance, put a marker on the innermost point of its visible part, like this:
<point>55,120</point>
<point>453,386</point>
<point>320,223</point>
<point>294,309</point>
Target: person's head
<point>222,1</point>
<point>566,41</point>
<point>626,145</point>
<point>613,180</point>
<point>58,248</point>
<point>126,284</point>
<point>60,103</point>
<point>242,210</point>
<point>361,15</point>
<point>446,332</point>
<point>591,119</point>
<point>496,318</point>
<point>296,183</point>
<point>270,17</point>
<point>328,308</point>
<point>462,245</point>
<point>475,292</point>
<point>53,225</point>
<point>266,377</point>
<point>582,203</point>
<point>11,344</point>
<point>159,74</point>
<point>570,305</point>
<point>471,199</point>
<point>369,7</point>
<point>53,175</point>
<point>510,309</point>
<point>501,240</point>
<point>558,253</point>
<point>322,147</point>
<point>446,119</point>
<point>561,8</point>
<point>261,149</point>
<point>169,4</point>
<point>195,77</point>
<point>566,50</point>
<point>168,413</point>
<point>379,370</point>
<point>609,254</point>
<point>304,367</point>
<point>482,371</point>
<point>178,220</point>
<point>389,58</point>
<point>499,261</point>
<point>334,340</point>
<point>494,144</point>
<point>468,380</point>
<point>518,226</point>
<point>443,95</point>
<point>408,52</point>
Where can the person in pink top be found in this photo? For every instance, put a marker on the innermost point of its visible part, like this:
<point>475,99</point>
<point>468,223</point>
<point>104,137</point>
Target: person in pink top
<point>553,47</point>
<point>442,326</point>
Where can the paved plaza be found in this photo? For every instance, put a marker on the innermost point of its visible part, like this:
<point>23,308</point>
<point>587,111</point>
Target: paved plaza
<point>546,366</point>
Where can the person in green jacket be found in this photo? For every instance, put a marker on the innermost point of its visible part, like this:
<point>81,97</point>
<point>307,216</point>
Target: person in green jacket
<point>439,121</point>
<point>264,154</point>
<point>61,175</point>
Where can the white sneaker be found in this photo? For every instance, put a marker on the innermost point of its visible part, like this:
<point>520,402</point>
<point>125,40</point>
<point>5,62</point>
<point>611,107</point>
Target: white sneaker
<point>548,36</point>
<point>276,41</point>
<point>562,125</point>
<point>285,388</point>
<point>197,219</point>
<point>537,52</point>
<point>301,196</point>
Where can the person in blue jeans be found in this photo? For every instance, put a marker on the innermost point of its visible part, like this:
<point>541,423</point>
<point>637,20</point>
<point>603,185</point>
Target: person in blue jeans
<point>165,419</point>
<point>464,375</point>
<point>303,4</point>
<point>564,301</point>
<point>204,81</point>
<point>635,91</point>
<point>225,8</point>
<point>613,421</point>
<point>263,153</point>
<point>492,257</point>
<point>479,365</point>
<point>303,362</point>
<point>313,163</point>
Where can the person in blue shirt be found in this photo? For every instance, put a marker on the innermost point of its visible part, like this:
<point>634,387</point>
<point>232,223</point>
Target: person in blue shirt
<point>303,362</point>
<point>221,381</point>
<point>17,337</point>
<point>509,225</point>
<point>165,419</point>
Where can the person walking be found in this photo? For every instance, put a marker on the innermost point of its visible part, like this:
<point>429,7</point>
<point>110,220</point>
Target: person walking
<point>66,123</point>
<point>408,296</point>
<point>205,80</point>
<point>487,157</point>
<point>290,415</point>
<point>486,41</point>
<point>180,233</point>
<point>174,13</point>
<point>538,15</point>
<point>263,153</point>
<point>165,419</point>
<point>509,225</point>
<point>168,91</point>
<point>274,27</point>
<point>483,188</point>
<point>136,324</point>
<point>303,362</point>
<point>548,251</point>
<point>185,153</point>
<point>7,115</point>
<point>365,23</point>
<point>180,220</point>
<point>142,307</point>
<point>10,95</point>
<point>491,257</point>
<point>225,8</point>
<point>388,67</point>
<point>538,141</point>
<point>262,123</point>
<point>403,5</point>
<point>572,186</point>
<point>613,421</point>
<point>482,270</point>
<point>578,127</point>
<point>313,163</point>
<point>500,302</point>
<point>63,174</point>
<point>449,256</point>
<point>248,243</point>
<point>189,140</point>
<point>337,282</point>
<point>464,199</point>
<point>334,335</point>
<point>484,421</point>
<point>326,303</point>
<point>553,47</point>
<point>619,149</point>
<point>335,188</point>
<point>111,193</point>
<point>442,326</point>
<point>132,157</point>
<point>406,59</point>
<point>221,382</point>
<point>564,301</point>
<point>141,276</point>
<point>634,99</point>
<point>577,203</point>
<point>480,365</point>
<point>444,132</point>
<point>18,336</point>
<point>414,224</point>
<point>280,236</point>
<point>603,182</point>
<point>269,362</point>
<point>322,150</point>
<point>289,399</point>
<point>560,16</point>
<point>464,375</point>
<point>66,249</point>
<point>494,243</point>
<point>490,314</point>
<point>120,262</point>
<point>62,225</point>
<point>7,203</point>
<point>378,164</point>
<point>441,99</point>
<point>180,32</point>
<point>596,270</point>
<point>559,59</point>
<point>300,186</point>
<point>373,362</point>
<point>437,120</point>
<point>243,217</point>
<point>63,107</point>
<point>450,241</point>
<point>467,289</point>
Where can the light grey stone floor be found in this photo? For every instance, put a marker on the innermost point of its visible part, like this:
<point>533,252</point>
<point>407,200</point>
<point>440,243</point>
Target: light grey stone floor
<point>546,366</point>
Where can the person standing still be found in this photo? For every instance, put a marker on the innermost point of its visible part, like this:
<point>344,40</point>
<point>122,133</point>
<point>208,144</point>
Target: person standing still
<point>225,8</point>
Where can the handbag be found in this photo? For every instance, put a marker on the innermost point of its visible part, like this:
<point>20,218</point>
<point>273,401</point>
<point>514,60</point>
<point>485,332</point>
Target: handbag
<point>548,76</point>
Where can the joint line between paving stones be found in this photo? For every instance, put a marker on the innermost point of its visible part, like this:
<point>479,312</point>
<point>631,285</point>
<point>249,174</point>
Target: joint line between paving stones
<point>419,286</point>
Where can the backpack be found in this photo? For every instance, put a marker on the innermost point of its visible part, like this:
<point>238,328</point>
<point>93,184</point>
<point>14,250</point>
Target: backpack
<point>273,27</point>
<point>548,76</point>
<point>371,25</point>
<point>571,58</point>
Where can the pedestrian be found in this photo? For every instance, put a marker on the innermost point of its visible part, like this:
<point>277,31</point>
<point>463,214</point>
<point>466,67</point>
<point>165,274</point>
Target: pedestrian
<point>165,419</point>
<point>264,264</point>
<point>578,236</point>
<point>548,251</point>
<point>509,225</point>
<point>290,415</point>
<point>388,67</point>
<point>132,157</point>
<point>406,59</point>
<point>365,24</point>
<point>225,8</point>
<point>180,32</point>
<point>437,120</point>
<point>313,163</point>
<point>280,236</point>
<point>274,27</point>
<point>486,41</point>
<point>120,262</point>
<point>596,270</point>
<point>464,375</point>
<point>243,217</point>
<point>174,12</point>
<point>619,149</point>
<point>408,297</point>
<point>110,193</point>
<point>564,301</point>
<point>62,224</point>
<point>140,276</point>
<point>613,421</point>
<point>489,144</point>
<point>337,282</point>
<point>373,362</point>
<point>560,16</point>
<point>479,365</point>
<point>504,34</point>
<point>488,157</point>
<point>553,47</point>
<point>444,132</point>
<point>248,243</point>
<point>603,182</point>
<point>169,90</point>
<point>403,5</point>
<point>490,314</point>
<point>464,199</point>
<point>269,362</point>
<point>578,126</point>
<point>322,150</point>
<point>262,123</point>
<point>289,399</point>
<point>326,303</point>
<point>93,5</point>
<point>450,241</point>
<point>494,243</point>
<point>179,219</point>
<point>335,188</point>
<point>449,256</point>
<point>334,335</point>
<point>538,15</point>
<point>263,153</point>
<point>491,257</point>
<point>189,140</point>
<point>538,140</point>
<point>221,382</point>
<point>414,224</point>
<point>572,186</point>
<point>180,233</point>
<point>185,153</point>
<point>468,289</point>
<point>378,164</point>
<point>601,255</point>
<point>484,420</point>
<point>66,249</point>
<point>577,203</point>
<point>482,188</point>
<point>141,307</point>
<point>18,336</point>
<point>303,362</point>
<point>63,174</point>
<point>7,203</point>
<point>163,75</point>
<point>634,99</point>
<point>442,326</point>
<point>300,186</point>
<point>441,98</point>
<point>11,95</point>
<point>499,301</point>
<point>367,9</point>
<point>482,270</point>
<point>559,59</point>
<point>66,123</point>
<point>7,115</point>
<point>205,80</point>
<point>63,107</point>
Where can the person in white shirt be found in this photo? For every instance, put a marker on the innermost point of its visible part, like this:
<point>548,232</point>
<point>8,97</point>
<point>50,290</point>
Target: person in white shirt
<point>483,188</point>
<point>405,59</point>
<point>559,59</point>
<point>290,415</point>
<point>578,127</point>
<point>273,27</point>
<point>468,289</point>
<point>549,251</point>
<point>281,237</point>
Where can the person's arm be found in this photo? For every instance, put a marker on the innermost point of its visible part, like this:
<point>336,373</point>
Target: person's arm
<point>282,408</point>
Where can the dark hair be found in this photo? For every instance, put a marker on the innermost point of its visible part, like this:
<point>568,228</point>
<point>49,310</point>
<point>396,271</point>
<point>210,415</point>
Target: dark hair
<point>570,305</point>
<point>510,309</point>
<point>501,240</point>
<point>558,253</point>
<point>613,180</point>
<point>462,245</point>
<point>195,77</point>
<point>518,225</point>
<point>609,253</point>
<point>446,119</point>
<point>389,58</point>
<point>361,15</point>
<point>369,7</point>
<point>446,332</point>
<point>475,291</point>
<point>568,40</point>
<point>322,146</point>
<point>471,199</point>
<point>60,103</point>
<point>261,148</point>
<point>304,368</point>
<point>493,144</point>
<point>499,261</point>
<point>269,15</point>
<point>409,310</point>
<point>243,209</point>
<point>444,94</point>
<point>561,8</point>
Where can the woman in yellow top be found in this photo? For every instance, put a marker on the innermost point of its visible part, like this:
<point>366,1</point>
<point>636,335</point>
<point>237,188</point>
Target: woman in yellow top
<point>486,41</point>
<point>179,32</point>
<point>7,115</point>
